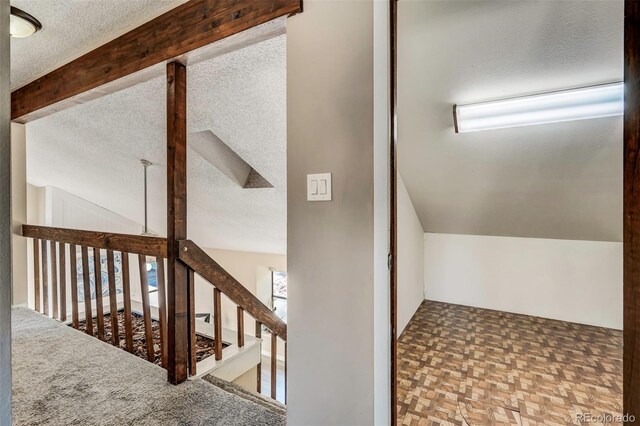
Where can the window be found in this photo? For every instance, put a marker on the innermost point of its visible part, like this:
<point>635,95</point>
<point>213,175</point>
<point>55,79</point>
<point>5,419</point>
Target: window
<point>117,264</point>
<point>279,294</point>
<point>152,275</point>
<point>150,265</point>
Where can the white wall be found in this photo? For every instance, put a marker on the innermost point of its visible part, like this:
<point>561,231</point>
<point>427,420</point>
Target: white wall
<point>338,346</point>
<point>252,270</point>
<point>410,258</point>
<point>576,281</point>
<point>50,206</point>
<point>66,210</point>
<point>36,205</point>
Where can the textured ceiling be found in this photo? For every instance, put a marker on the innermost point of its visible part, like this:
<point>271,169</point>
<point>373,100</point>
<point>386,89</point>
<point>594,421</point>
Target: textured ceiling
<point>93,150</point>
<point>550,181</point>
<point>71,28</point>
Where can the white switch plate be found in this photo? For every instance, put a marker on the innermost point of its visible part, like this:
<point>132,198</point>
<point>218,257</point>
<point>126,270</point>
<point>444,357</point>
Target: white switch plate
<point>319,187</point>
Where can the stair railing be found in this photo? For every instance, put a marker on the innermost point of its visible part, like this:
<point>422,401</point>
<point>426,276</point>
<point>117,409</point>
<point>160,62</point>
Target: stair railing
<point>59,251</point>
<point>51,264</point>
<point>223,283</point>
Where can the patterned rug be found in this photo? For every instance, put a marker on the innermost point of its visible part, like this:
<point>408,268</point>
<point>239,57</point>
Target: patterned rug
<point>459,365</point>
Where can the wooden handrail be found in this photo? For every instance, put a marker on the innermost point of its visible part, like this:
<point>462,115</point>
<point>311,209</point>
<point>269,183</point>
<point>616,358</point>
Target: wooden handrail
<point>139,244</point>
<point>207,268</point>
<point>50,245</point>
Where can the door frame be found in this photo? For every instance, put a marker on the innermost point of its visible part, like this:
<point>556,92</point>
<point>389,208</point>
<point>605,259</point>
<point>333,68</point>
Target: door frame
<point>393,204</point>
<point>631,221</point>
<point>631,217</point>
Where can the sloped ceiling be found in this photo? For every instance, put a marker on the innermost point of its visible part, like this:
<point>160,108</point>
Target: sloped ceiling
<point>93,150</point>
<point>550,181</point>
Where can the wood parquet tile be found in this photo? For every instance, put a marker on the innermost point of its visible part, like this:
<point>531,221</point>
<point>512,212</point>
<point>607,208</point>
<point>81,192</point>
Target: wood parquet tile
<point>465,366</point>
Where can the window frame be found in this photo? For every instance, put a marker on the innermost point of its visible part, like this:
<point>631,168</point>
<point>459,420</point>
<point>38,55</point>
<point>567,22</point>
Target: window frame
<point>273,295</point>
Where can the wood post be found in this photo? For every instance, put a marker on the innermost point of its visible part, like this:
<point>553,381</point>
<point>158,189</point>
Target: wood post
<point>217,323</point>
<point>162,309</point>
<point>45,277</point>
<point>54,279</point>
<point>113,301</point>
<point>126,292</point>
<point>146,307</point>
<point>631,327</point>
<point>73,270</point>
<point>63,282</point>
<point>36,274</point>
<point>88,315</point>
<point>97,275</point>
<point>240,313</point>
<point>192,323</point>
<point>274,364</point>
<point>177,274</point>
<point>259,336</point>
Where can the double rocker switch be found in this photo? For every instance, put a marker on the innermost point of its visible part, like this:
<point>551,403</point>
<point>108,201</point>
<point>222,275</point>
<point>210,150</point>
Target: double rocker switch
<point>319,187</point>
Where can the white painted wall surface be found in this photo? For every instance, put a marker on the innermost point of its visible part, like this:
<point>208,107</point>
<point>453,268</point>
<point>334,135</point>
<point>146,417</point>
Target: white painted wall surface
<point>577,281</point>
<point>252,270</point>
<point>66,210</point>
<point>50,206</point>
<point>410,258</point>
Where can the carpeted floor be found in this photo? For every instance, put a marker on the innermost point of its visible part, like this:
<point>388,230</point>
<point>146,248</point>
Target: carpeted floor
<point>63,377</point>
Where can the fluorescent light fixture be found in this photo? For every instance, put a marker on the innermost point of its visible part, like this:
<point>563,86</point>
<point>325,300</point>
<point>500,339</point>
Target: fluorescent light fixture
<point>568,105</point>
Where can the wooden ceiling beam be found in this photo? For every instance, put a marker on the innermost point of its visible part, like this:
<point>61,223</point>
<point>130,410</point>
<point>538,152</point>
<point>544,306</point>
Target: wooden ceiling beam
<point>189,26</point>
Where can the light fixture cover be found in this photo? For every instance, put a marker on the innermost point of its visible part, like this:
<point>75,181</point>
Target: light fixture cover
<point>21,24</point>
<point>605,100</point>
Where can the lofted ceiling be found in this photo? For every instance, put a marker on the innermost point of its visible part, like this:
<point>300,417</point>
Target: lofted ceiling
<point>93,150</point>
<point>559,180</point>
<point>71,28</point>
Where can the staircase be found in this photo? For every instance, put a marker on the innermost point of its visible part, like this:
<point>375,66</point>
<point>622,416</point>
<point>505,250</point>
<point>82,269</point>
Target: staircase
<point>90,271</point>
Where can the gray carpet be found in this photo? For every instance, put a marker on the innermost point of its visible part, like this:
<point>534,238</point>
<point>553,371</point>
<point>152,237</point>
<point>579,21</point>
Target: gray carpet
<point>269,403</point>
<point>64,377</point>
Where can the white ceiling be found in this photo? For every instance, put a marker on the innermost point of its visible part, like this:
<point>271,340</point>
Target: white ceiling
<point>550,181</point>
<point>71,28</point>
<point>93,150</point>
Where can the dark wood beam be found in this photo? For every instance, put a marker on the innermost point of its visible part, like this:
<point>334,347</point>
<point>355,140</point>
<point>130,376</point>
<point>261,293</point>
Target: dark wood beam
<point>178,276</point>
<point>631,369</point>
<point>189,26</point>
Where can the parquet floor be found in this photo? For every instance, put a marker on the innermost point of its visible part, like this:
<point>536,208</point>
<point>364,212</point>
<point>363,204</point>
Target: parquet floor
<point>459,365</point>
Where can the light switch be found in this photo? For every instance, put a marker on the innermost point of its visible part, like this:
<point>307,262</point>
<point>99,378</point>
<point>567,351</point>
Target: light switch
<point>323,187</point>
<point>319,187</point>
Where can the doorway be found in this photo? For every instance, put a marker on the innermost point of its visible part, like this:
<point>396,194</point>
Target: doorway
<point>474,233</point>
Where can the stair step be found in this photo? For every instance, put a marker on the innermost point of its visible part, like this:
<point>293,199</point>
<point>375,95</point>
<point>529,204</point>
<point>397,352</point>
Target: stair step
<point>268,403</point>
